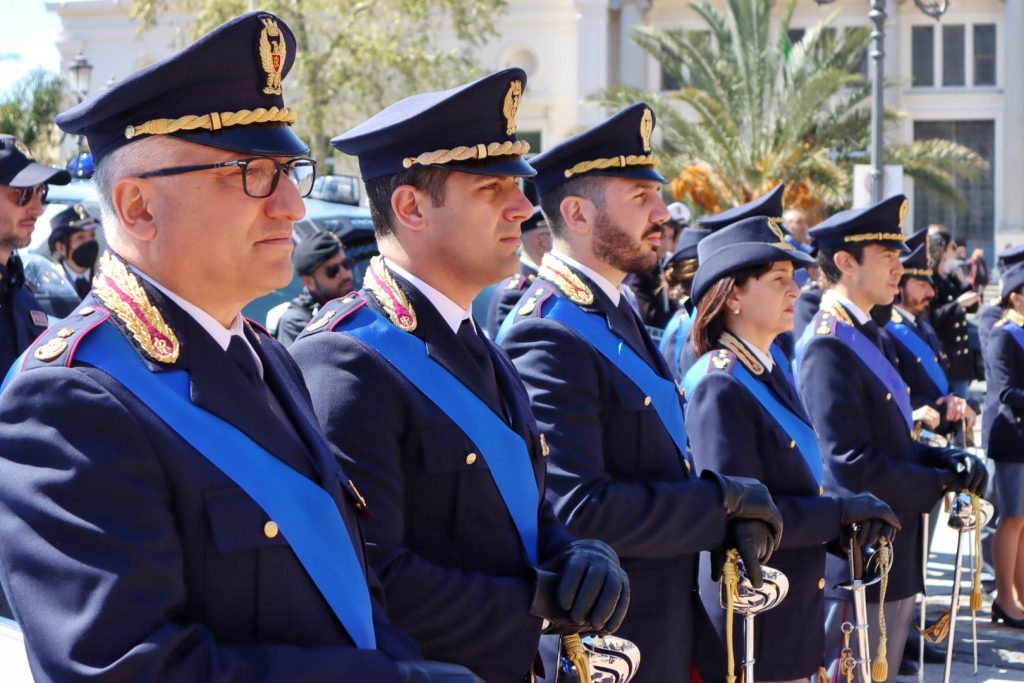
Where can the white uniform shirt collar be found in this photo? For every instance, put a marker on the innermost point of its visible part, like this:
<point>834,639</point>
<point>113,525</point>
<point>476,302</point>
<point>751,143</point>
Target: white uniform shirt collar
<point>222,335</point>
<point>766,359</point>
<point>905,314</point>
<point>452,313</point>
<point>860,315</point>
<point>71,275</point>
<point>610,290</point>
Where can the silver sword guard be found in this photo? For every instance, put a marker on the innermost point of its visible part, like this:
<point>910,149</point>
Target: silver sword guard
<point>961,513</point>
<point>752,601</point>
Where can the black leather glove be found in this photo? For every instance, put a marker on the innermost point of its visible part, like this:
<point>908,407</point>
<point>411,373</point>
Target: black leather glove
<point>964,471</point>
<point>873,516</point>
<point>754,539</point>
<point>582,590</point>
<point>435,672</point>
<point>746,498</point>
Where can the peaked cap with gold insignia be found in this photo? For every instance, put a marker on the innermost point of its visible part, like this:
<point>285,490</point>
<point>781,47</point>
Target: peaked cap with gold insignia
<point>619,146</point>
<point>768,205</point>
<point>880,223</point>
<point>223,91</point>
<point>471,128</point>
<point>749,242</point>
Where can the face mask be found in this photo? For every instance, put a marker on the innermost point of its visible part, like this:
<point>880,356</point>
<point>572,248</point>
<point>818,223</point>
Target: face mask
<point>84,255</point>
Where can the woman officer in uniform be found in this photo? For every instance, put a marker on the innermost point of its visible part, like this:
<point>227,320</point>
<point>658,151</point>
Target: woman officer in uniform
<point>1004,410</point>
<point>745,418</point>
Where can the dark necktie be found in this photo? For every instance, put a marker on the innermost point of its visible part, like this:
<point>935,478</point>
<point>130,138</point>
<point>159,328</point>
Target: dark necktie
<point>82,286</point>
<point>633,330</point>
<point>241,354</point>
<point>487,381</point>
<point>871,331</point>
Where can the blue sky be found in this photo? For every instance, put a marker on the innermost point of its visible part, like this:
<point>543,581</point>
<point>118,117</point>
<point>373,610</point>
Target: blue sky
<point>29,41</point>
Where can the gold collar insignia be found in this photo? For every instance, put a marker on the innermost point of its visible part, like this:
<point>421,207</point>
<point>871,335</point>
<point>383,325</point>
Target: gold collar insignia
<point>896,318</point>
<point>731,342</point>
<point>121,292</point>
<point>831,305</point>
<point>391,297</point>
<point>511,106</point>
<point>553,269</point>
<point>273,52</point>
<point>1013,317</point>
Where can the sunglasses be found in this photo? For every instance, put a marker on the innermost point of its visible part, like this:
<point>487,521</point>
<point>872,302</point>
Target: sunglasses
<point>331,272</point>
<point>25,193</point>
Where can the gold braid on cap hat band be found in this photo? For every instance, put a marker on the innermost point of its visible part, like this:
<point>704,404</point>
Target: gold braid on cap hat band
<point>612,162</point>
<point>212,121</point>
<point>917,272</point>
<point>481,151</point>
<point>877,237</point>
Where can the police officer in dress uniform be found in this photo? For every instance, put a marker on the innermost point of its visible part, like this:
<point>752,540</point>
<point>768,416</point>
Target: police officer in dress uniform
<point>768,205</point>
<point>746,419</point>
<point>23,186</point>
<point>948,313</point>
<point>919,352</point>
<point>73,241</point>
<point>992,313</point>
<point>618,469</point>
<point>326,273</point>
<point>680,269</point>
<point>1003,415</point>
<point>470,552</point>
<point>169,509</point>
<point>536,243</point>
<point>860,409</point>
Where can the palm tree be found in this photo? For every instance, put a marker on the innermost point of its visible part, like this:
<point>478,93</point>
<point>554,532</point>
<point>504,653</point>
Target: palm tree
<point>759,110</point>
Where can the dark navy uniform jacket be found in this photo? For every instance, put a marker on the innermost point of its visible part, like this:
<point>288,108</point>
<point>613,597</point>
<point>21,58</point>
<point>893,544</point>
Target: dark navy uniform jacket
<point>1004,402</point>
<point>615,474</point>
<point>456,576</point>
<point>22,319</point>
<point>949,319</point>
<point>128,556</point>
<point>987,319</point>
<point>867,447</point>
<point>732,433</point>
<point>923,391</point>
<point>506,295</point>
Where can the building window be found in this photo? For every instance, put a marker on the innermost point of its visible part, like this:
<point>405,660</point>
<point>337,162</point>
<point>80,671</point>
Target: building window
<point>795,35</point>
<point>984,54</point>
<point>861,67</point>
<point>953,55</point>
<point>976,221</point>
<point>923,55</point>
<point>533,137</point>
<point>669,80</point>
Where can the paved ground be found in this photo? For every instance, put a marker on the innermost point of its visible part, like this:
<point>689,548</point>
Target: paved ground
<point>1000,648</point>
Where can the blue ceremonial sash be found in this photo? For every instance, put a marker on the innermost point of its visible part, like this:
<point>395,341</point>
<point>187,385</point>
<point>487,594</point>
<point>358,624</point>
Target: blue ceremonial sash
<point>502,449</point>
<point>306,514</point>
<point>680,325</point>
<point>879,365</point>
<point>594,328</point>
<point>923,352</point>
<point>1016,332</point>
<point>798,430</point>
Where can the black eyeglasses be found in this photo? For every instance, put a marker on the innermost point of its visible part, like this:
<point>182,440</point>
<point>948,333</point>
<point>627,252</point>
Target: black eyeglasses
<point>25,193</point>
<point>259,174</point>
<point>331,272</point>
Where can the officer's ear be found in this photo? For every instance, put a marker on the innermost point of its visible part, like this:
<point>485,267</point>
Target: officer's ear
<point>846,262</point>
<point>578,214</point>
<point>131,202</point>
<point>408,205</point>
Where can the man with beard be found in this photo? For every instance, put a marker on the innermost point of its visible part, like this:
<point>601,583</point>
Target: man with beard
<point>618,467</point>
<point>326,274</point>
<point>23,187</point>
<point>73,241</point>
<point>860,409</point>
<point>919,351</point>
<point>430,415</point>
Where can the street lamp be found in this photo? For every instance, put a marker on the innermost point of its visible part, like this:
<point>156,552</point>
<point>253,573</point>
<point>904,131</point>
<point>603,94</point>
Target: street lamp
<point>933,8</point>
<point>81,72</point>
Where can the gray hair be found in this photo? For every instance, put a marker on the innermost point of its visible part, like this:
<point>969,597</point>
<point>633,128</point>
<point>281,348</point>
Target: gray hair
<point>124,162</point>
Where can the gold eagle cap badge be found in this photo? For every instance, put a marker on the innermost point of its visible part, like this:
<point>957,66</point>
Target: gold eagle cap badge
<point>511,106</point>
<point>273,52</point>
<point>773,224</point>
<point>904,210</point>
<point>647,129</point>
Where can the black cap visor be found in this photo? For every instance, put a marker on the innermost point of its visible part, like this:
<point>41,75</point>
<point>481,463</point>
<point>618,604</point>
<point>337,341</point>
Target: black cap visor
<point>36,174</point>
